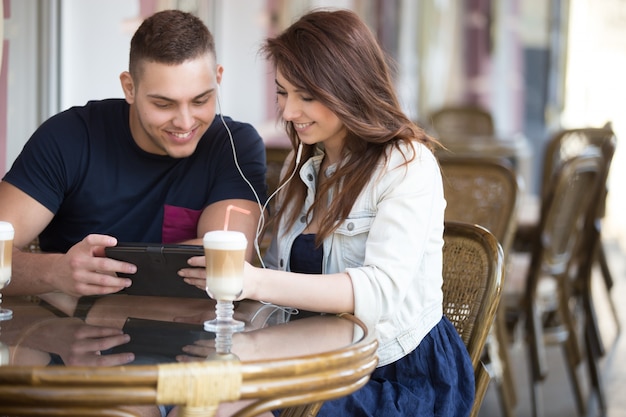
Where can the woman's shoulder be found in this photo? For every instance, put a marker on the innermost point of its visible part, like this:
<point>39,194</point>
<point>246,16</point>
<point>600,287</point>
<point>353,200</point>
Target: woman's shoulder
<point>410,153</point>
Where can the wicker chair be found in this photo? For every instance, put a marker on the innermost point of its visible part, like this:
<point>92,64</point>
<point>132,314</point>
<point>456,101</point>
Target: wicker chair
<point>484,192</point>
<point>462,120</point>
<point>473,264</point>
<point>540,290</point>
<point>563,146</point>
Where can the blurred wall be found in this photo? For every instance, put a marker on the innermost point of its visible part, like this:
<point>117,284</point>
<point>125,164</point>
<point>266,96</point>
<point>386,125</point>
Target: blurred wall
<point>507,55</point>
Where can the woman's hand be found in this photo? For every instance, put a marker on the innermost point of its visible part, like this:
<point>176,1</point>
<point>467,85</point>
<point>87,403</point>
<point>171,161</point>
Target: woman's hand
<point>195,276</point>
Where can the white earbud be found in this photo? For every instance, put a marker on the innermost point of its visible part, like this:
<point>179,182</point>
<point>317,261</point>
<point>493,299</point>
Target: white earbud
<point>299,154</point>
<point>219,103</point>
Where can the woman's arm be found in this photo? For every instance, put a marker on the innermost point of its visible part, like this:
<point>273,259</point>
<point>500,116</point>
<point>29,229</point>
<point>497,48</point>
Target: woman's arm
<point>329,293</point>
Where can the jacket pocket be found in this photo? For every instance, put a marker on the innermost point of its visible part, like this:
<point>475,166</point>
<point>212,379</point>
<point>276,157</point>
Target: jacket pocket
<point>352,235</point>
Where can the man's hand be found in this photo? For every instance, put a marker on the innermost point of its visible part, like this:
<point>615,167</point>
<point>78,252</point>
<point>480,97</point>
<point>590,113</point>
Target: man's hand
<point>78,343</point>
<point>84,269</point>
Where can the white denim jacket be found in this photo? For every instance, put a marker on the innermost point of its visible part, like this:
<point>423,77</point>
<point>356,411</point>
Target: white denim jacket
<point>390,245</point>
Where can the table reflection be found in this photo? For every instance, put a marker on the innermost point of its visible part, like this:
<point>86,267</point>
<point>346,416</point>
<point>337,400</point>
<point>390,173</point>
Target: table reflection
<point>125,329</point>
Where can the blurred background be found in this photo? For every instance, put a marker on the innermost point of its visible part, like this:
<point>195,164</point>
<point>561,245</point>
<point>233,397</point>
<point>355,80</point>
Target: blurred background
<point>536,66</point>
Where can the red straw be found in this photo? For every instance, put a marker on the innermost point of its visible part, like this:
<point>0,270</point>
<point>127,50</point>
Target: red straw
<point>232,207</point>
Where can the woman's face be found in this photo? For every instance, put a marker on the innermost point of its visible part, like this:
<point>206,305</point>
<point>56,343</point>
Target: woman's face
<point>313,122</point>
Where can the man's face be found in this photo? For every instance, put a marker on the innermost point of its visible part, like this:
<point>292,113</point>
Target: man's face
<point>172,106</point>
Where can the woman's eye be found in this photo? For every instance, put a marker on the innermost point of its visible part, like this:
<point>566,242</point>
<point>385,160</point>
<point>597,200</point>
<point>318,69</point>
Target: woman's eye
<point>307,99</point>
<point>281,93</point>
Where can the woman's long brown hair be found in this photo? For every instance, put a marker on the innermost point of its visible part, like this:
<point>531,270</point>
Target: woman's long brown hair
<point>334,57</point>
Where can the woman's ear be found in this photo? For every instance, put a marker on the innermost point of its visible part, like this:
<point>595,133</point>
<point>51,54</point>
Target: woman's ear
<point>128,86</point>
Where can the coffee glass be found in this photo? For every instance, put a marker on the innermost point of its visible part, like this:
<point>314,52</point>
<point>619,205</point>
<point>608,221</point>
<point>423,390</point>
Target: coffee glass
<point>225,252</point>
<point>6,252</point>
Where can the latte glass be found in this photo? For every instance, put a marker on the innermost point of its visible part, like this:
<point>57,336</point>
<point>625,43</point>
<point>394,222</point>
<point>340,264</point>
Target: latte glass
<point>225,253</point>
<point>6,252</point>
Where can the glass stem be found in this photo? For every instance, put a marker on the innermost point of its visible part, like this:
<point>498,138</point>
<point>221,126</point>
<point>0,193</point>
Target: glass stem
<point>224,310</point>
<point>223,341</point>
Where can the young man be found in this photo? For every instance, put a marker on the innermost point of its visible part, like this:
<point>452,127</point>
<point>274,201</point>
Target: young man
<point>158,166</point>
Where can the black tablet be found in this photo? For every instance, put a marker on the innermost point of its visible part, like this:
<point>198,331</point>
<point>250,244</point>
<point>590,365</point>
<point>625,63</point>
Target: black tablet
<point>157,268</point>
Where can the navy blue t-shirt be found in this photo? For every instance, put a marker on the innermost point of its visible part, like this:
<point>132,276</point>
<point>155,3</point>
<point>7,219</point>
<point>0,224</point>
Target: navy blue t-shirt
<point>84,166</point>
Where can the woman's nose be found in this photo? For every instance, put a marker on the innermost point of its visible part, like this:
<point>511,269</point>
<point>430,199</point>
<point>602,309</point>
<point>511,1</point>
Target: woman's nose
<point>291,110</point>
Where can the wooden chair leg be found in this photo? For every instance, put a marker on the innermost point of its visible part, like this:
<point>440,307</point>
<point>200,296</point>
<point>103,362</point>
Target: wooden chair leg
<point>536,398</point>
<point>592,327</point>
<point>608,281</point>
<point>506,383</point>
<point>571,345</point>
<point>571,368</point>
<point>604,267</point>
<point>593,346</point>
<point>536,359</point>
<point>594,374</point>
<point>482,383</point>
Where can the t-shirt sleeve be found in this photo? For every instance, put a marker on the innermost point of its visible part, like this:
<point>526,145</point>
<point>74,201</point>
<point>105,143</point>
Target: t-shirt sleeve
<point>249,160</point>
<point>42,168</point>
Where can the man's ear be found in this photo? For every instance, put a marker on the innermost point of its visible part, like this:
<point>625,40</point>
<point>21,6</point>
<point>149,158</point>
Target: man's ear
<point>128,86</point>
<point>219,70</point>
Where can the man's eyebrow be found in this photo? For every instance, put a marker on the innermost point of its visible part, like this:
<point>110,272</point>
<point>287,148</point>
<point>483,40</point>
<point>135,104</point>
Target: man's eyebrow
<point>201,95</point>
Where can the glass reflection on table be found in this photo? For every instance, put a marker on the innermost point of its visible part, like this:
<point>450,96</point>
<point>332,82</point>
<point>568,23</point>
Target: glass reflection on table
<point>124,329</point>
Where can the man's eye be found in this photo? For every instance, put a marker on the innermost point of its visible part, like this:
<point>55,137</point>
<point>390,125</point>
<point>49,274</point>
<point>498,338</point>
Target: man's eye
<point>162,105</point>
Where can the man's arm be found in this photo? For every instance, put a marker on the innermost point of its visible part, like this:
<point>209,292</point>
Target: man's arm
<point>27,215</point>
<point>214,216</point>
<point>82,270</point>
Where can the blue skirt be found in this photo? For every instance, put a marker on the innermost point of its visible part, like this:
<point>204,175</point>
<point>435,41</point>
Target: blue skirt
<point>436,379</point>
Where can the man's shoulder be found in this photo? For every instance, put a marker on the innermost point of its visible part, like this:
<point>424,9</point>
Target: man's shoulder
<point>244,134</point>
<point>93,109</point>
<point>220,122</point>
<point>97,107</point>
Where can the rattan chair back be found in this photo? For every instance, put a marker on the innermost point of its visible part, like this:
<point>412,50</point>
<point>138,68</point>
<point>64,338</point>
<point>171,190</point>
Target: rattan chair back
<point>462,120</point>
<point>481,191</point>
<point>473,265</point>
<point>563,213</point>
<point>569,143</point>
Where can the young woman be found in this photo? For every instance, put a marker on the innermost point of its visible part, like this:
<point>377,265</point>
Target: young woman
<point>360,223</point>
<point>360,219</point>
